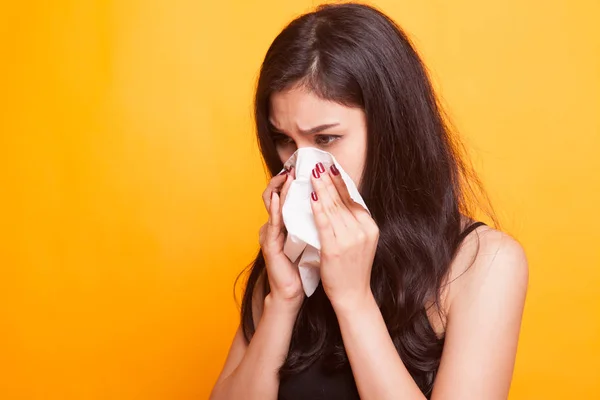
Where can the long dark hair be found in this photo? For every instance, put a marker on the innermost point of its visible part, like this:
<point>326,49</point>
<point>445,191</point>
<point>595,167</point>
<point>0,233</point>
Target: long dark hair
<point>416,181</point>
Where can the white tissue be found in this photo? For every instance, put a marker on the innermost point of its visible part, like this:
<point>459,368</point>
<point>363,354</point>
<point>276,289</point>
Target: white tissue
<point>302,239</point>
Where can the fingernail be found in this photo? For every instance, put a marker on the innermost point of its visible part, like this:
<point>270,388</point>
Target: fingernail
<point>271,195</point>
<point>316,173</point>
<point>320,167</point>
<point>334,170</point>
<point>313,195</point>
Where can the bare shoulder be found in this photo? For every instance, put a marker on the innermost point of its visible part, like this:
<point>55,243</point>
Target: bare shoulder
<point>485,297</point>
<point>487,260</point>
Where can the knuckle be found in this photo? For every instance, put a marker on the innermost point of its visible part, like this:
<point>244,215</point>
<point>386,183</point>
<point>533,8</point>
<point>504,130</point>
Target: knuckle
<point>345,247</point>
<point>374,236</point>
<point>361,236</point>
<point>374,231</point>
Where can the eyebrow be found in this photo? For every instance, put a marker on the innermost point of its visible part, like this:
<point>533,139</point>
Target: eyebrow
<point>310,131</point>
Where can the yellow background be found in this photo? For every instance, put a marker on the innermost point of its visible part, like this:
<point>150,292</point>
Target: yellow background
<point>131,181</point>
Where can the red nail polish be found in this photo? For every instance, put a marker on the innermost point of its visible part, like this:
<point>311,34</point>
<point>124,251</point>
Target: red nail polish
<point>313,195</point>
<point>334,170</point>
<point>320,167</point>
<point>316,173</point>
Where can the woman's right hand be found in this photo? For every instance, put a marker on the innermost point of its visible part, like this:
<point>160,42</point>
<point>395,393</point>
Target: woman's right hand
<point>283,275</point>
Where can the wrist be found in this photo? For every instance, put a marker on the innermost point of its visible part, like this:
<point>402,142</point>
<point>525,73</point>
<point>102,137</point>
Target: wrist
<point>355,304</point>
<point>283,305</point>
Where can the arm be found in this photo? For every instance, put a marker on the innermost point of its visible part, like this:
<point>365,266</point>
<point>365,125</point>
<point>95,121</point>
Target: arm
<point>484,321</point>
<point>481,338</point>
<point>251,371</point>
<point>377,368</point>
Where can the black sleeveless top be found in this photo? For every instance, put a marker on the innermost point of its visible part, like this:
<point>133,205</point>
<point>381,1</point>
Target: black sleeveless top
<point>315,384</point>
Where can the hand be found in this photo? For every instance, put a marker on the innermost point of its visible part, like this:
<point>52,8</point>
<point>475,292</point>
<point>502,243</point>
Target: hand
<point>284,278</point>
<point>348,238</point>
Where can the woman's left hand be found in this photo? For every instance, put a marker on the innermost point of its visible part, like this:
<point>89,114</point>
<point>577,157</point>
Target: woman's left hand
<point>348,238</point>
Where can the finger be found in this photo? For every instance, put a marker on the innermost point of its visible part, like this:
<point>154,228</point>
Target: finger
<point>274,215</point>
<point>274,228</point>
<point>362,216</point>
<point>322,222</point>
<point>274,185</point>
<point>331,189</point>
<point>286,186</point>
<point>341,218</point>
<point>341,187</point>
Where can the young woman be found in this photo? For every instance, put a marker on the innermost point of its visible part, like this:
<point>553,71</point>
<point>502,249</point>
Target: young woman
<point>417,300</point>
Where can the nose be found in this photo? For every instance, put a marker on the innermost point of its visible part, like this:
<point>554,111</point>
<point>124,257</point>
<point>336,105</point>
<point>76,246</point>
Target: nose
<point>290,150</point>
<point>304,142</point>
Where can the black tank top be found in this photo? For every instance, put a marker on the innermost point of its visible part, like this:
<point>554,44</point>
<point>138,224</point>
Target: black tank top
<point>315,384</point>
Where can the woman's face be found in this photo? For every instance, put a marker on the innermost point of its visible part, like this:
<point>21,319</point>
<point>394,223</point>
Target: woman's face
<point>299,118</point>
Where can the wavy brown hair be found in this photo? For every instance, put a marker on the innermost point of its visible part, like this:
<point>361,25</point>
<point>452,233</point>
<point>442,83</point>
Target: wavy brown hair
<point>416,182</point>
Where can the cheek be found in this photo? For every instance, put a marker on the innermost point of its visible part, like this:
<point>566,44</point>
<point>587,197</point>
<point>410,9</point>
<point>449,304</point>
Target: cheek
<point>355,174</point>
<point>352,159</point>
<point>353,167</point>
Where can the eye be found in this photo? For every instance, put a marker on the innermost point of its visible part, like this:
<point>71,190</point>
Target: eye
<point>282,140</point>
<point>324,140</point>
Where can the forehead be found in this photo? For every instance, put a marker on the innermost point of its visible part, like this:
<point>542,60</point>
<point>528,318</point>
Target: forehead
<point>303,109</point>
